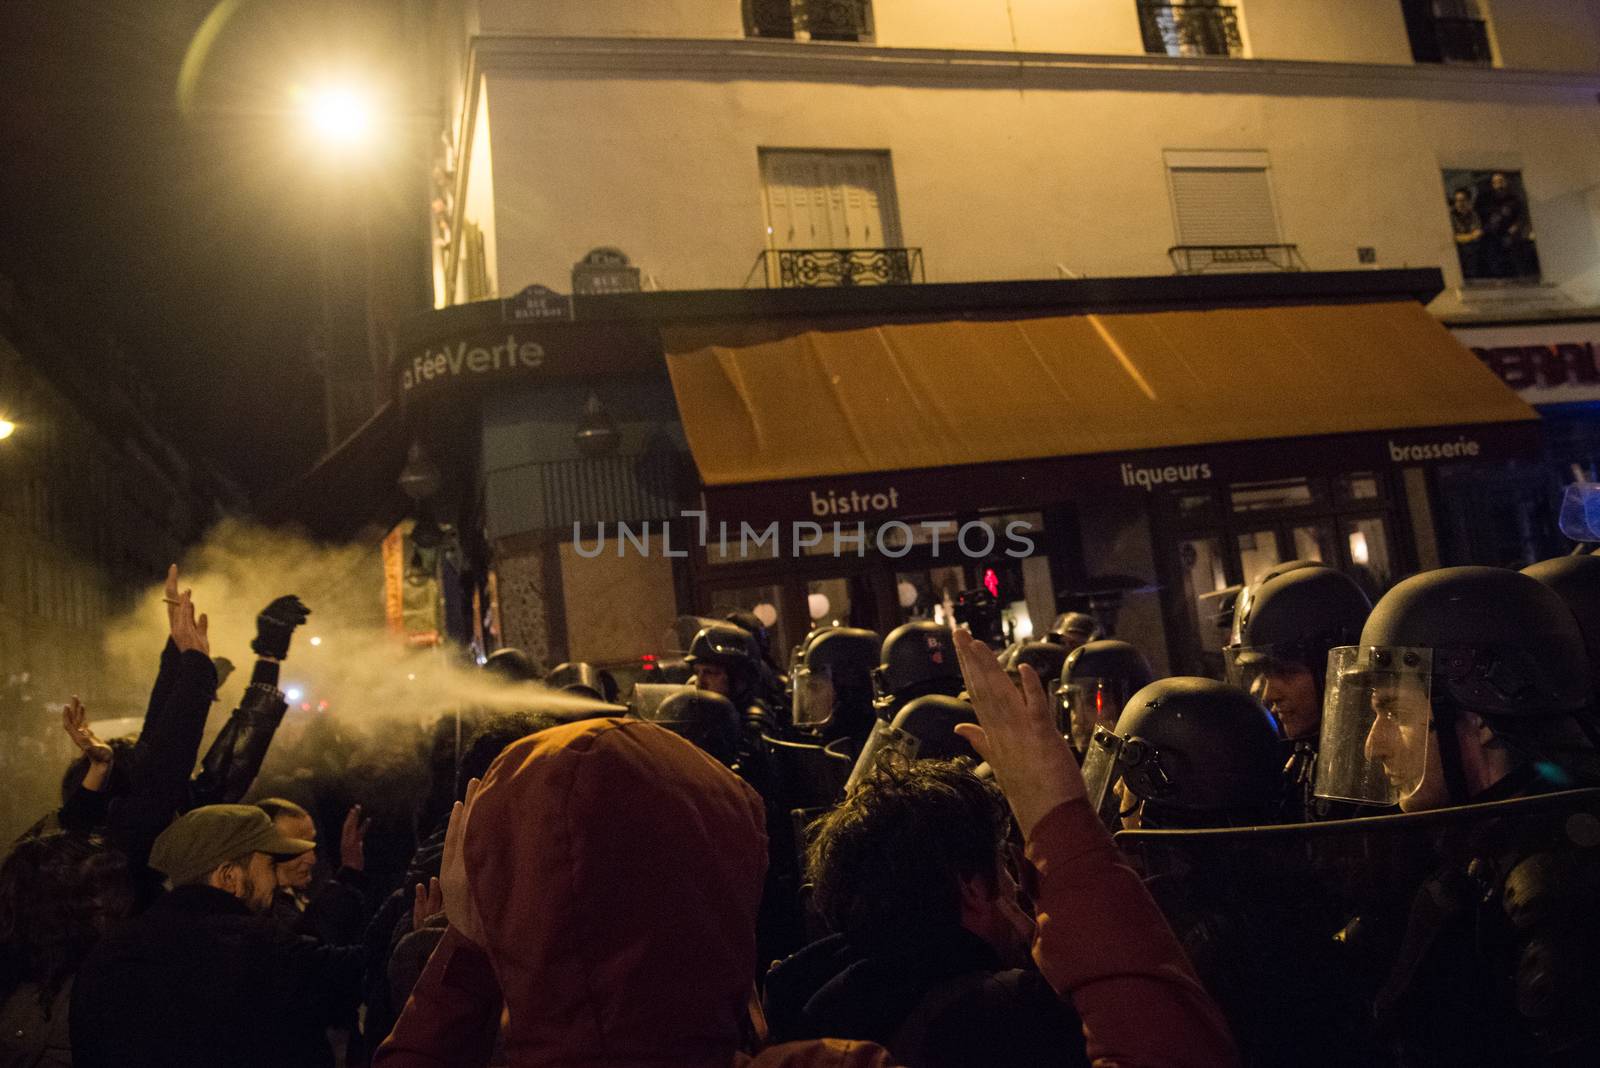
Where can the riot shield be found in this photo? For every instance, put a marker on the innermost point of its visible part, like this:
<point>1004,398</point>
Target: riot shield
<point>1392,940</point>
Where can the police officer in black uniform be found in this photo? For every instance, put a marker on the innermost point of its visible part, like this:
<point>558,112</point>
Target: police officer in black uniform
<point>1282,633</point>
<point>1473,685</point>
<point>1096,681</point>
<point>1187,752</point>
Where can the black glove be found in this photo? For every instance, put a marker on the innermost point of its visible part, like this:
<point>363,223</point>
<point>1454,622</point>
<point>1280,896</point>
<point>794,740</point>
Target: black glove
<point>275,624</point>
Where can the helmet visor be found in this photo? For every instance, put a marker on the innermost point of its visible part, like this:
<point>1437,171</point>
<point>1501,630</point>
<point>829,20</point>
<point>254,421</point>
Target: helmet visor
<point>1100,766</point>
<point>1248,667</point>
<point>813,697</point>
<point>1087,703</point>
<point>883,740</point>
<point>1376,720</point>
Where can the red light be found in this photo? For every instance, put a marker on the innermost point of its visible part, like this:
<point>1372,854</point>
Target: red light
<point>322,706</point>
<point>1099,703</point>
<point>305,706</point>
<point>991,582</point>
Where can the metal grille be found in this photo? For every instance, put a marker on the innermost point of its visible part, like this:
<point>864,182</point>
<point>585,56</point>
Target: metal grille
<point>612,489</point>
<point>808,268</point>
<point>1198,29</point>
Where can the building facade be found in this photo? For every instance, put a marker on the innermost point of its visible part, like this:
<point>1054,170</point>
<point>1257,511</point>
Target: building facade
<point>97,503</point>
<point>741,147</point>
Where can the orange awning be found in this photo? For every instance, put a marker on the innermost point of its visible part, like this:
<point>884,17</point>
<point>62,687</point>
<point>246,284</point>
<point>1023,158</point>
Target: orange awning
<point>765,402</point>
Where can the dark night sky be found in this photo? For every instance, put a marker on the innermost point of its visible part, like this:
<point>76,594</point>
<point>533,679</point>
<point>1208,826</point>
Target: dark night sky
<point>192,240</point>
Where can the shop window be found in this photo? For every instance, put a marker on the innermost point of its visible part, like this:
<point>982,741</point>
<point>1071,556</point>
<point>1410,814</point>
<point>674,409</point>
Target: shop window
<point>809,20</point>
<point>1368,541</point>
<point>766,602</point>
<point>828,602</point>
<point>1357,487</point>
<point>1272,496</point>
<point>1313,542</point>
<point>1258,551</point>
<point>1493,230</point>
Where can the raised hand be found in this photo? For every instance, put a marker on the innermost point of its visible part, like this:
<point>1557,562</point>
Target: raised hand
<point>428,901</point>
<point>458,906</point>
<point>275,626</point>
<point>169,594</point>
<point>75,720</point>
<point>353,840</point>
<point>1016,733</point>
<point>189,633</point>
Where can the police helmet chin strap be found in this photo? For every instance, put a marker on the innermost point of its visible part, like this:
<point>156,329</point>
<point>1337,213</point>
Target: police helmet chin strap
<point>1443,724</point>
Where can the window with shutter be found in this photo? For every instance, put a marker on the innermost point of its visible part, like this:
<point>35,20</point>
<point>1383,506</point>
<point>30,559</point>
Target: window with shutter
<point>1223,206</point>
<point>829,199</point>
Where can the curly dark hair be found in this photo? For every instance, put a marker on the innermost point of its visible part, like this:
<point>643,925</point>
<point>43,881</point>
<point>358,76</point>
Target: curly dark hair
<point>58,894</point>
<point>887,864</point>
<point>120,782</point>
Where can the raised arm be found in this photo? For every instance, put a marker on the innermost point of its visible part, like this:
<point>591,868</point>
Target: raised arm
<point>1101,942</point>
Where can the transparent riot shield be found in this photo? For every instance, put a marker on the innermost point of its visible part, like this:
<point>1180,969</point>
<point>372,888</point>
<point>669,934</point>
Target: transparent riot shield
<point>1393,940</point>
<point>884,739</point>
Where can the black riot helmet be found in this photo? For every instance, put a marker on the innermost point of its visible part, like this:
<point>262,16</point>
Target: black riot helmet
<point>917,658</point>
<point>1241,603</point>
<point>1293,618</point>
<point>1576,580</point>
<point>583,679</point>
<point>924,729</point>
<point>1197,752</point>
<point>513,665</point>
<point>1073,629</point>
<point>730,648</point>
<point>832,683</point>
<point>1045,658</point>
<point>1482,640</point>
<point>1096,681</point>
<point>707,719</point>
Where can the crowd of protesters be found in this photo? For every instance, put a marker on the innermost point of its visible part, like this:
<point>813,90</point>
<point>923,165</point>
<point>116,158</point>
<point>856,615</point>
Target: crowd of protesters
<point>901,853</point>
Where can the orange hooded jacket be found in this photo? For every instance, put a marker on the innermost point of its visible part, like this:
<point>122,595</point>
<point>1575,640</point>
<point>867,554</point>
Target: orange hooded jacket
<point>616,871</point>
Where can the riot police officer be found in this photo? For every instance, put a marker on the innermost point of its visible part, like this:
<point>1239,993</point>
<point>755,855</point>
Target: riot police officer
<point>1469,684</point>
<point>1045,658</point>
<point>918,658</point>
<point>1282,633</point>
<point>1096,681</point>
<point>1576,580</point>
<point>725,661</point>
<point>831,685</point>
<point>1187,752</point>
<point>1073,629</point>
<point>1472,684</point>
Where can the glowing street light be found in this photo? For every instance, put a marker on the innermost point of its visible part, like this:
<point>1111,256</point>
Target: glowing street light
<point>7,428</point>
<point>339,115</point>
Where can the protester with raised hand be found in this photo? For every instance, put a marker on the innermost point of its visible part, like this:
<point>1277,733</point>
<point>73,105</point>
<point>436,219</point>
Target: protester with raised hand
<point>1102,943</point>
<point>235,756</point>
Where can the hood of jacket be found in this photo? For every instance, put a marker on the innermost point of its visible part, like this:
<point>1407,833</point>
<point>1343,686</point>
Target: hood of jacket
<point>616,871</point>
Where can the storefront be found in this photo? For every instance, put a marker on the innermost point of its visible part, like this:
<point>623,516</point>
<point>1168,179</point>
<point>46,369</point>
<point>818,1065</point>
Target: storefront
<point>1506,513</point>
<point>1126,445</point>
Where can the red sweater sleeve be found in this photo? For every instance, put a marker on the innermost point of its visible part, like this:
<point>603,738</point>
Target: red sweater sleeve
<point>452,1017</point>
<point>1104,945</point>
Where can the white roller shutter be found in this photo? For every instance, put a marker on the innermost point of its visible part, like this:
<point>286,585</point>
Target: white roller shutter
<point>1223,206</point>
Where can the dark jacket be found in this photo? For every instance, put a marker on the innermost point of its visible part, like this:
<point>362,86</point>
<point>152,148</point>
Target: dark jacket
<point>945,1001</point>
<point>388,928</point>
<point>336,912</point>
<point>198,980</point>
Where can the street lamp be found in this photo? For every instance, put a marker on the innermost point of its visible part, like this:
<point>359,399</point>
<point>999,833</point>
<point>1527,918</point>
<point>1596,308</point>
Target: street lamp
<point>338,115</point>
<point>7,428</point>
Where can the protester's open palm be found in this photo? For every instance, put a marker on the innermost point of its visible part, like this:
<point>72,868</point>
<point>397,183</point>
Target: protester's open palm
<point>75,719</point>
<point>458,906</point>
<point>1016,733</point>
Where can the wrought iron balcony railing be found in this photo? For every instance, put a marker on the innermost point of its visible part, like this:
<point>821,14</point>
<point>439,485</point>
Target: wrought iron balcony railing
<point>818,20</point>
<point>805,268</point>
<point>1199,259</point>
<point>1463,40</point>
<point>1193,29</point>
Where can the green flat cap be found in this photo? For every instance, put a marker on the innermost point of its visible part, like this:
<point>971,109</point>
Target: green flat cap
<point>203,838</point>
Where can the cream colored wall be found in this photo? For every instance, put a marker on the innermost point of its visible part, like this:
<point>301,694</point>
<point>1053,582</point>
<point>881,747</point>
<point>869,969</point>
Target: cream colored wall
<point>1546,34</point>
<point>1532,34</point>
<point>995,184</point>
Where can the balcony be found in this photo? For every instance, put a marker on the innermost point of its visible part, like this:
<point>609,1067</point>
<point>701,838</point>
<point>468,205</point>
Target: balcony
<point>1205,259</point>
<point>814,20</point>
<point>1196,29</point>
<point>810,268</point>
<point>1463,41</point>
